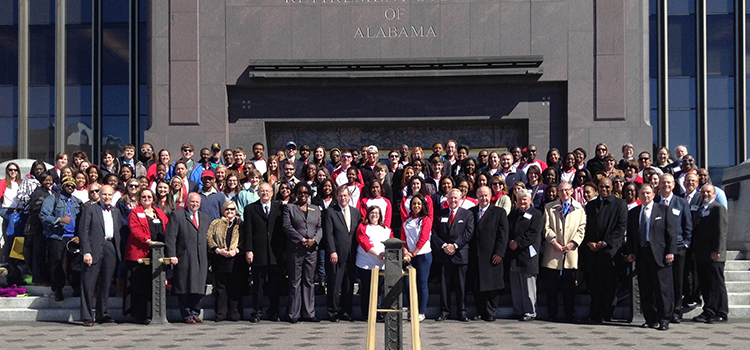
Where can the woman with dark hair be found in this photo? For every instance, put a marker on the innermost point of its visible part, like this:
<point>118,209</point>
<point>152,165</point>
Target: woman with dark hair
<point>419,168</point>
<point>355,187</point>
<point>79,157</point>
<point>283,196</point>
<point>415,231</point>
<point>663,162</point>
<point>84,166</point>
<point>126,173</point>
<point>446,184</point>
<point>415,186</point>
<point>319,159</point>
<point>81,192</point>
<point>550,175</point>
<point>233,187</point>
<point>568,171</point>
<point>35,239</point>
<point>29,184</point>
<point>483,179</point>
<point>500,196</point>
<point>147,226</point>
<point>93,175</point>
<point>164,200</point>
<point>469,172</point>
<point>609,171</point>
<point>371,234</point>
<point>580,158</point>
<point>375,198</point>
<point>325,194</point>
<point>309,175</point>
<point>630,195</point>
<point>407,175</point>
<point>582,177</point>
<point>535,185</point>
<point>163,157</point>
<point>553,159</point>
<point>9,187</point>
<point>550,194</point>
<point>617,183</point>
<point>631,173</point>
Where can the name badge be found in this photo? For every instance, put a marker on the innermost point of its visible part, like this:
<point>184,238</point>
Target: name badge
<point>310,209</point>
<point>693,208</point>
<point>527,216</point>
<point>460,221</point>
<point>443,220</point>
<point>657,218</point>
<point>157,221</point>
<point>141,215</point>
<point>704,214</point>
<point>676,212</point>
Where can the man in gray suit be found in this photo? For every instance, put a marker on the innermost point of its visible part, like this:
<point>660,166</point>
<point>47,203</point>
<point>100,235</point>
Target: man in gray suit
<point>186,245</point>
<point>340,227</point>
<point>99,234</point>
<point>303,228</point>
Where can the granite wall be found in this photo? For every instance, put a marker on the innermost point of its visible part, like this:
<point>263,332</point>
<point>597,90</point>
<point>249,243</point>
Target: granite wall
<point>597,50</point>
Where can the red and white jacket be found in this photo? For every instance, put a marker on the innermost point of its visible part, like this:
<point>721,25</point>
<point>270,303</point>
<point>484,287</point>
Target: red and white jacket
<point>383,203</point>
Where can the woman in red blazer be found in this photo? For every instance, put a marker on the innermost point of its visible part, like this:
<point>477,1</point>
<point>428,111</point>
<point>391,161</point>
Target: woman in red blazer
<point>147,226</point>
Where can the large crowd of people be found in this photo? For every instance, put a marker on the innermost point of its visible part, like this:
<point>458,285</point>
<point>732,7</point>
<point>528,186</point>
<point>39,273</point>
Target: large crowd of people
<point>302,218</point>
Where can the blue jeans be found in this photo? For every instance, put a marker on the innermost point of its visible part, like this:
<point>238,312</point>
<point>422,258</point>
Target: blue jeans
<point>422,264</point>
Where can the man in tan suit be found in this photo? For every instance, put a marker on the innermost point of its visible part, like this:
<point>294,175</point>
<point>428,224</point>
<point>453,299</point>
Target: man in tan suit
<point>565,226</point>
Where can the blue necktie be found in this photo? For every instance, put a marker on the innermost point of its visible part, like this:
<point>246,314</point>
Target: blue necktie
<point>566,209</point>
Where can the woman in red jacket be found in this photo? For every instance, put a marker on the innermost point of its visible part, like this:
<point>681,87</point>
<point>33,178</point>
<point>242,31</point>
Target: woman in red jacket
<point>375,198</point>
<point>147,227</point>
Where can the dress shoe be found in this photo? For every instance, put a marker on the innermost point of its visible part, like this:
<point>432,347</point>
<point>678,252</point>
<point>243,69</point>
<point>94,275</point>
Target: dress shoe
<point>59,296</point>
<point>380,318</point>
<point>310,319</point>
<point>88,323</point>
<point>146,321</point>
<point>701,318</point>
<point>663,327</point>
<point>255,319</point>
<point>526,318</point>
<point>462,318</point>
<point>489,319</point>
<point>676,320</point>
<point>190,321</point>
<point>333,318</point>
<point>346,317</point>
<point>441,318</point>
<point>717,319</point>
<point>105,319</point>
<point>198,320</point>
<point>650,325</point>
<point>273,318</point>
<point>476,317</point>
<point>292,320</point>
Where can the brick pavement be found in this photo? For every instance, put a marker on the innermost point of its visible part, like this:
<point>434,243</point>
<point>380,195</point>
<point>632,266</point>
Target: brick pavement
<point>503,334</point>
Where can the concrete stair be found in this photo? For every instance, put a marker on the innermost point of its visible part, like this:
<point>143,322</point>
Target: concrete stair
<point>40,305</point>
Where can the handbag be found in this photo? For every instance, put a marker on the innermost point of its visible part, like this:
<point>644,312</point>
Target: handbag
<point>14,224</point>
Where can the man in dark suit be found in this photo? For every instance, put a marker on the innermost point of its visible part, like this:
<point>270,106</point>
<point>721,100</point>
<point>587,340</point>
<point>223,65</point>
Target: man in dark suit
<point>691,283</point>
<point>526,228</point>
<point>678,207</point>
<point>303,229</point>
<point>339,228</point>
<point>265,249</point>
<point>652,243</point>
<point>606,220</point>
<point>486,252</point>
<point>451,232</point>
<point>186,245</point>
<point>710,250</point>
<point>99,234</point>
<point>181,170</point>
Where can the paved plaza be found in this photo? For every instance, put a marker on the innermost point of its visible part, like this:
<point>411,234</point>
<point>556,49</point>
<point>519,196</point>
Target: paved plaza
<point>503,334</point>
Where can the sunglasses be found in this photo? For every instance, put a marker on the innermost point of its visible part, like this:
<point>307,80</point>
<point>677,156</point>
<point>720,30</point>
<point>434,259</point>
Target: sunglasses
<point>689,160</point>
<point>94,191</point>
<point>146,197</point>
<point>601,149</point>
<point>644,158</point>
<point>134,186</point>
<point>11,169</point>
<point>346,156</point>
<point>495,184</point>
<point>187,150</point>
<point>393,156</point>
<point>230,209</point>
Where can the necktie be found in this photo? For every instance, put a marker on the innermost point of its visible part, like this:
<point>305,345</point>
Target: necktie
<point>347,219</point>
<point>195,220</point>
<point>481,212</point>
<point>664,201</point>
<point>453,215</point>
<point>265,209</point>
<point>566,209</point>
<point>642,228</point>
<point>107,207</point>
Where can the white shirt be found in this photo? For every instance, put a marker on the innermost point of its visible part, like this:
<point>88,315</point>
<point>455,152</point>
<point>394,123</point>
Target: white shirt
<point>412,231</point>
<point>261,165</point>
<point>109,226</point>
<point>10,198</point>
<point>377,234</point>
<point>667,200</point>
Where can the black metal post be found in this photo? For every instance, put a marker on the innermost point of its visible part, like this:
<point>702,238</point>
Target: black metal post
<point>96,78</point>
<point>158,285</point>
<point>394,286</point>
<point>134,53</point>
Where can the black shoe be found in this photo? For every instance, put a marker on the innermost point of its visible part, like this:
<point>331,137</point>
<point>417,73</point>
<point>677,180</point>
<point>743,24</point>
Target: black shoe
<point>346,317</point>
<point>310,319</point>
<point>462,318</point>
<point>255,319</point>
<point>292,320</point>
<point>442,317</point>
<point>489,319</point>
<point>476,318</point>
<point>595,321</point>
<point>59,296</point>
<point>676,320</point>
<point>650,325</point>
<point>701,318</point>
<point>105,319</point>
<point>273,318</point>
<point>333,318</point>
<point>526,318</point>
<point>717,319</point>
<point>146,321</point>
<point>663,327</point>
<point>380,318</point>
<point>88,323</point>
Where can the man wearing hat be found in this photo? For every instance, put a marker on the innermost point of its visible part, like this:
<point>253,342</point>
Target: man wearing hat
<point>58,215</point>
<point>215,155</point>
<point>211,199</point>
<point>291,150</point>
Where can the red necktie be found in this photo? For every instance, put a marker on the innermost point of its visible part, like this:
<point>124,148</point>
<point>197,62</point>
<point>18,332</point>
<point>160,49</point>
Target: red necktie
<point>195,220</point>
<point>453,215</point>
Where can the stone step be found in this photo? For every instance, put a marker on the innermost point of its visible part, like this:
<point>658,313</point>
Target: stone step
<point>738,287</point>
<point>739,299</point>
<point>737,265</point>
<point>737,255</point>
<point>737,276</point>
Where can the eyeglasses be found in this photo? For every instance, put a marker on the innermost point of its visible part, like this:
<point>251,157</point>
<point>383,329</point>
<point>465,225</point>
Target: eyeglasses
<point>393,156</point>
<point>146,197</point>
<point>94,191</point>
<point>346,156</point>
<point>146,149</point>
<point>12,169</point>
